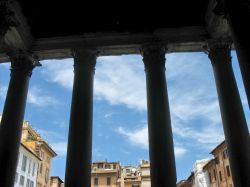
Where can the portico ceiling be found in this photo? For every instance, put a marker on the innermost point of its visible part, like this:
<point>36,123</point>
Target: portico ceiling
<point>52,28</point>
<point>53,18</point>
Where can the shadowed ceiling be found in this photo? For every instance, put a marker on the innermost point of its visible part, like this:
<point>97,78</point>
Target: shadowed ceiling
<point>51,18</point>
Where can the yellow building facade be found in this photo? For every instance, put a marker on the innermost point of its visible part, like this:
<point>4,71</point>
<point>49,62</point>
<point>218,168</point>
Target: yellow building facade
<point>112,174</point>
<point>218,169</point>
<point>34,141</point>
<point>105,174</point>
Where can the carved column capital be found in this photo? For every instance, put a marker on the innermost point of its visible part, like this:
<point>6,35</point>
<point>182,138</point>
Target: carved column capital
<point>7,17</point>
<point>153,55</point>
<point>220,9</point>
<point>24,61</point>
<point>219,51</point>
<point>86,57</point>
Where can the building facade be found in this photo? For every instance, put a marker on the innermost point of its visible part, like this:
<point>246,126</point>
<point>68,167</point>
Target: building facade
<point>218,169</point>
<point>105,174</point>
<point>34,141</point>
<point>145,173</point>
<point>200,176</point>
<point>56,181</point>
<point>112,174</point>
<point>26,172</point>
<point>215,172</point>
<point>130,177</point>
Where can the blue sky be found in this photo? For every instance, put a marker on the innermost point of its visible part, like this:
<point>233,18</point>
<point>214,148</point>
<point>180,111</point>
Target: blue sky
<point>120,116</point>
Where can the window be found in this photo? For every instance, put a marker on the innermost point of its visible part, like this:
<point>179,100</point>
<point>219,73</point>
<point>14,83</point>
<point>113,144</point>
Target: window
<point>21,182</point>
<point>24,162</point>
<point>95,181</point>
<point>107,166</point>
<point>31,184</point>
<point>33,169</point>
<point>210,177</point>
<point>29,166</point>
<point>214,175</point>
<point>228,171</point>
<point>220,175</point>
<point>47,175</point>
<point>48,159</point>
<point>41,168</point>
<point>217,160</point>
<point>135,185</point>
<point>114,166</point>
<point>28,183</point>
<point>108,181</point>
<point>42,154</point>
<point>16,177</point>
<point>225,154</point>
<point>100,165</point>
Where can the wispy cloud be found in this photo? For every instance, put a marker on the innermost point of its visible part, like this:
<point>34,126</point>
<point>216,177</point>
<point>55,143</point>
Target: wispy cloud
<point>192,95</point>
<point>59,71</point>
<point>139,137</point>
<point>3,92</point>
<point>119,80</point>
<point>39,98</point>
<point>36,96</point>
<point>60,148</point>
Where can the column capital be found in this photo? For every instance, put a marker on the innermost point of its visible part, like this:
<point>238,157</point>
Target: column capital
<point>7,17</point>
<point>85,56</point>
<point>219,51</point>
<point>24,61</point>
<point>153,54</point>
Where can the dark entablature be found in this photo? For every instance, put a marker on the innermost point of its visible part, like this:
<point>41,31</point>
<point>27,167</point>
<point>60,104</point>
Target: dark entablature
<point>51,18</point>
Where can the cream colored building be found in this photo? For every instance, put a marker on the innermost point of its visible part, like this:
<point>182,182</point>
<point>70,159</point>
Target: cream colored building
<point>34,141</point>
<point>130,177</point>
<point>145,173</point>
<point>26,172</point>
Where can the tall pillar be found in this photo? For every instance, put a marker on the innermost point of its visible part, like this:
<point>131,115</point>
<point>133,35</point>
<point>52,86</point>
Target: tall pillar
<point>13,114</point>
<point>161,148</point>
<point>79,153</point>
<point>233,119</point>
<point>238,13</point>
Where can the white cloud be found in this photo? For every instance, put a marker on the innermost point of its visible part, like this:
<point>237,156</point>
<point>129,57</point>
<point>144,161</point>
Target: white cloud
<point>119,80</point>
<point>35,96</point>
<point>108,115</point>
<point>60,148</point>
<point>39,98</point>
<point>192,95</point>
<point>59,71</point>
<point>139,138</point>
<point>3,92</point>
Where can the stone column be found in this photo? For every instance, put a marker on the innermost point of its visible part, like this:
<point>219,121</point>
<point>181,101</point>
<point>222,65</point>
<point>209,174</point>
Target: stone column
<point>238,13</point>
<point>22,64</point>
<point>161,148</point>
<point>233,119</point>
<point>79,153</point>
